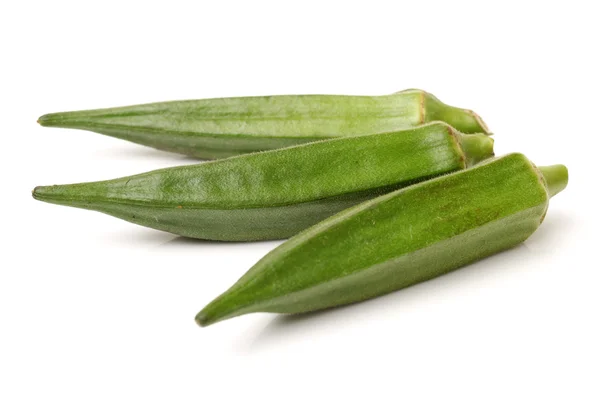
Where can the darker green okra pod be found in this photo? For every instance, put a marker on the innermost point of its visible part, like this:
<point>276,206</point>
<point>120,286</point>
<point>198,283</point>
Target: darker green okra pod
<point>397,240</point>
<point>223,127</point>
<point>276,194</point>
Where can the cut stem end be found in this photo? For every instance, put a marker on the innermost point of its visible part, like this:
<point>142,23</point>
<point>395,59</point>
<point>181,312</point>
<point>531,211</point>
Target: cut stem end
<point>476,147</point>
<point>556,177</point>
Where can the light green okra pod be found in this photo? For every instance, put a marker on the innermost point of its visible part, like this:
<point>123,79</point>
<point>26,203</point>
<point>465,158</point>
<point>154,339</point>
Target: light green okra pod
<point>278,193</point>
<point>223,127</point>
<point>396,240</point>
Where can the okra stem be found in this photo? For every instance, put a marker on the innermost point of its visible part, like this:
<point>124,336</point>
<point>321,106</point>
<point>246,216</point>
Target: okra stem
<point>556,177</point>
<point>475,147</point>
<point>465,120</point>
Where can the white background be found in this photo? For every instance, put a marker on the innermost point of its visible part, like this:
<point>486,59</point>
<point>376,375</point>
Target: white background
<point>94,307</point>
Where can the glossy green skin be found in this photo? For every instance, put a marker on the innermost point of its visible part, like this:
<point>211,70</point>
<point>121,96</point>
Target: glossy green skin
<point>223,127</point>
<point>275,194</point>
<point>394,241</point>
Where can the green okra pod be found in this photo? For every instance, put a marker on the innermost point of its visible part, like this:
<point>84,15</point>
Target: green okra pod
<point>223,127</point>
<point>276,194</point>
<point>396,240</point>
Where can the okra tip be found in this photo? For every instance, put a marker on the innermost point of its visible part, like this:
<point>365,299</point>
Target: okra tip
<point>38,192</point>
<point>43,120</point>
<point>556,177</point>
<point>55,119</point>
<point>202,320</point>
<point>223,307</point>
<point>205,318</point>
<point>35,191</point>
<point>48,193</point>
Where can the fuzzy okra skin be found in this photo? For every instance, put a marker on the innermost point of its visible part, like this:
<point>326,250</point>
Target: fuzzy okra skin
<point>278,193</point>
<point>222,127</point>
<point>397,240</point>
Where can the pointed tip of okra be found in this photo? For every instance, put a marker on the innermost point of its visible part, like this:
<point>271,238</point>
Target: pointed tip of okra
<point>45,120</point>
<point>556,177</point>
<point>225,306</point>
<point>40,192</point>
<point>35,193</point>
<point>202,320</point>
<point>51,194</point>
<point>206,317</point>
<point>58,119</point>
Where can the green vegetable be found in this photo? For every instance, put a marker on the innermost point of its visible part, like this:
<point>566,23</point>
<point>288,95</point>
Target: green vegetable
<point>223,127</point>
<point>399,239</point>
<point>278,193</point>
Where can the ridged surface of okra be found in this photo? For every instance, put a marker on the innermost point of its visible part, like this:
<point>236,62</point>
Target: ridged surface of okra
<point>397,240</point>
<point>223,127</point>
<point>276,194</point>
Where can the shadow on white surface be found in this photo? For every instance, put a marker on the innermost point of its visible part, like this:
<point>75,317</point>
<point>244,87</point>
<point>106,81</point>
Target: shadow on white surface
<point>144,237</point>
<point>555,228</point>
<point>130,151</point>
<point>190,242</point>
<point>459,282</point>
<point>394,304</point>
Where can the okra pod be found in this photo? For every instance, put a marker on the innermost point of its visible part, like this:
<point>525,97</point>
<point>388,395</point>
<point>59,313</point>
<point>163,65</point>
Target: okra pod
<point>397,240</point>
<point>276,194</point>
<point>223,127</point>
